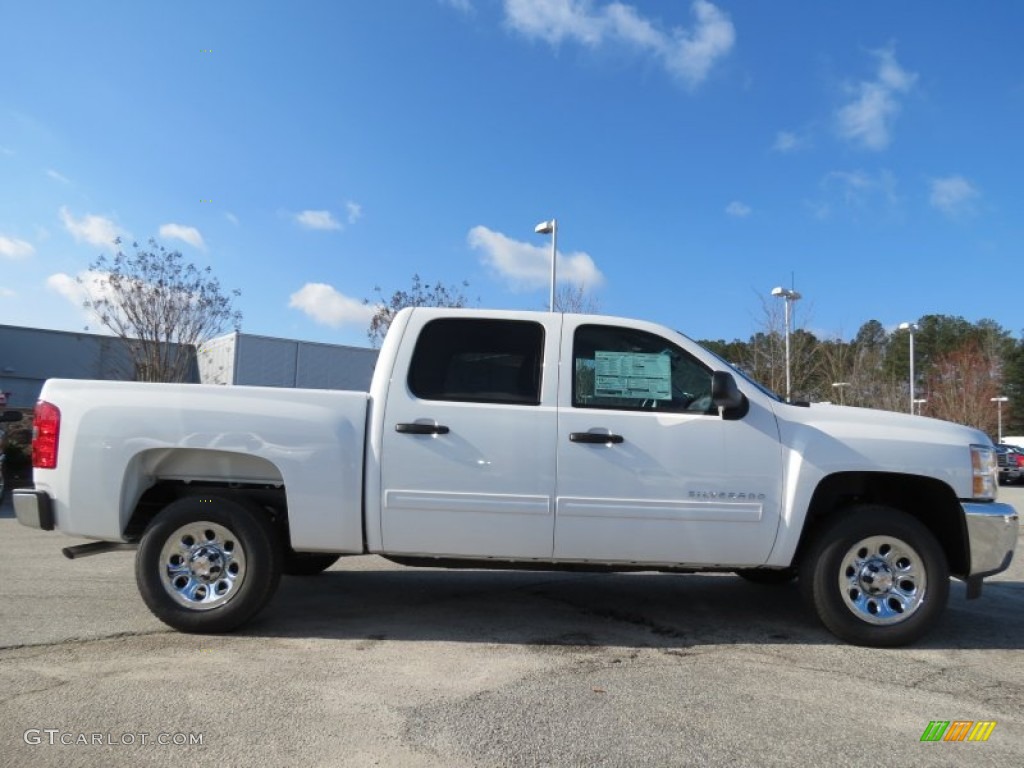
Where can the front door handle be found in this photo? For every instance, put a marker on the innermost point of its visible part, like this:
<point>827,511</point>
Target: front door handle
<point>421,429</point>
<point>598,438</point>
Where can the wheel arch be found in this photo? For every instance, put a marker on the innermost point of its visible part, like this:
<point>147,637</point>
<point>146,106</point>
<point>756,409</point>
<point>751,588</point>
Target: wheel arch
<point>156,478</point>
<point>930,501</point>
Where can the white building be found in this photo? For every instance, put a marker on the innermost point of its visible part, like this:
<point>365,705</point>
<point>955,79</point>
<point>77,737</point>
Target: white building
<point>242,358</point>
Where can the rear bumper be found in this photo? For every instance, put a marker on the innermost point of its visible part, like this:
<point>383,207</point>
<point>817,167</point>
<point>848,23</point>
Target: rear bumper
<point>992,535</point>
<point>33,508</point>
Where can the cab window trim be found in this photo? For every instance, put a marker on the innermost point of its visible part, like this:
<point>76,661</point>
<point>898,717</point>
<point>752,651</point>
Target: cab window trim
<point>441,336</point>
<point>684,358</point>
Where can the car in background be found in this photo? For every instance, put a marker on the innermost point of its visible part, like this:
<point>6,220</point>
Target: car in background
<point>1011,463</point>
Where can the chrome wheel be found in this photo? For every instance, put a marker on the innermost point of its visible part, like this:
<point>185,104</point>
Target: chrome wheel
<point>883,580</point>
<point>202,565</point>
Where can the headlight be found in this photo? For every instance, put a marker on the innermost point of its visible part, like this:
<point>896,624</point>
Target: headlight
<point>985,471</point>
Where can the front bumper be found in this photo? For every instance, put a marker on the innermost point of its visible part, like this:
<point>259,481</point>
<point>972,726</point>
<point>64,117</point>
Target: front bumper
<point>33,508</point>
<point>992,535</point>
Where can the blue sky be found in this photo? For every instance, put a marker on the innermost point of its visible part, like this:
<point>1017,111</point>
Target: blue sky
<point>695,154</point>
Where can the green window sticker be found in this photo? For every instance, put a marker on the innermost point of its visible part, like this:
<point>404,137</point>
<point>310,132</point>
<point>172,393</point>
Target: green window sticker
<point>634,375</point>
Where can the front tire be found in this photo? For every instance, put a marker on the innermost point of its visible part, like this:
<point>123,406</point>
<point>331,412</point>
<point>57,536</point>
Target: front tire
<point>876,577</point>
<point>307,563</point>
<point>208,564</point>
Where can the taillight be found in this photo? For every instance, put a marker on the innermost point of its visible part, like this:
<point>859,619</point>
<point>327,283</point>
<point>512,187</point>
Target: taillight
<point>1020,459</point>
<point>45,432</point>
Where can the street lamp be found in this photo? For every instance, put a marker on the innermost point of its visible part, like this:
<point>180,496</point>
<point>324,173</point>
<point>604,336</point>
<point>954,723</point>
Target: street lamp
<point>912,327</point>
<point>550,228</point>
<point>840,385</point>
<point>789,296</point>
<point>999,411</point>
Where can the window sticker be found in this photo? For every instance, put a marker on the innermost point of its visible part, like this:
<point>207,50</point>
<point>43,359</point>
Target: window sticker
<point>635,375</point>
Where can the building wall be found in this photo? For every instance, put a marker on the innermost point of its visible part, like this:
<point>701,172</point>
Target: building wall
<point>216,359</point>
<point>29,356</point>
<point>241,358</point>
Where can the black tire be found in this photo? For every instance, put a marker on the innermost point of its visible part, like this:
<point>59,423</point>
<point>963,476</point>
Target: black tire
<point>876,576</point>
<point>767,576</point>
<point>222,571</point>
<point>306,563</point>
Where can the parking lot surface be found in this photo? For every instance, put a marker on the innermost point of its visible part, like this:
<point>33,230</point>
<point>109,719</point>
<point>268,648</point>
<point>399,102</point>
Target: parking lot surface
<point>372,664</point>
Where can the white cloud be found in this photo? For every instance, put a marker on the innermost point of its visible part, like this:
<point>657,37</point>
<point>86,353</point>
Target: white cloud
<point>6,151</point>
<point>327,306</point>
<point>463,6</point>
<point>186,234</point>
<point>953,195</point>
<point>867,120</point>
<point>57,176</point>
<point>232,218</point>
<point>317,220</point>
<point>7,293</point>
<point>787,141</point>
<point>860,190</point>
<point>68,287</point>
<point>12,248</point>
<point>95,230</point>
<point>526,266</point>
<point>818,208</point>
<point>77,290</point>
<point>355,211</point>
<point>686,54</point>
<point>738,209</point>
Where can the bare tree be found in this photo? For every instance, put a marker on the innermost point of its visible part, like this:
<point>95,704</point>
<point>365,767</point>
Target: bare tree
<point>161,306</point>
<point>573,298</point>
<point>767,352</point>
<point>961,385</point>
<point>419,295</point>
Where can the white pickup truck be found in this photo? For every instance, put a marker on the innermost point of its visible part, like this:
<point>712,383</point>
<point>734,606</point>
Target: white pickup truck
<point>521,440</point>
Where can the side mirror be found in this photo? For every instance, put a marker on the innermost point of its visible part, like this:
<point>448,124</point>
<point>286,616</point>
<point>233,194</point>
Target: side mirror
<point>9,416</point>
<point>727,396</point>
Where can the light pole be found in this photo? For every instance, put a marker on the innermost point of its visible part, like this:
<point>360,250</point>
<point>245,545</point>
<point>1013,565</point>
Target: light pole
<point>550,228</point>
<point>912,327</point>
<point>999,411</point>
<point>789,296</point>
<point>840,385</point>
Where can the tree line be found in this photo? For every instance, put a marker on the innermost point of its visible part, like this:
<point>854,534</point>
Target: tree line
<point>959,366</point>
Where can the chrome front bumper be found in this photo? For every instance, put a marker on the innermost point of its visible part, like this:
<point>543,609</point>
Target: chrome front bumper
<point>992,535</point>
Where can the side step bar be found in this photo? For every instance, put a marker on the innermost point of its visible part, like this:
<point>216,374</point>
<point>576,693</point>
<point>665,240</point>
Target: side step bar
<point>97,548</point>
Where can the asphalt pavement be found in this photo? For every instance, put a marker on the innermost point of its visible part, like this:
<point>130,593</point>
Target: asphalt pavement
<point>374,664</point>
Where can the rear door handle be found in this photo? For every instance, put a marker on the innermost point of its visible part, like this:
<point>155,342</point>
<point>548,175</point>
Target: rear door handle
<point>421,429</point>
<point>598,438</point>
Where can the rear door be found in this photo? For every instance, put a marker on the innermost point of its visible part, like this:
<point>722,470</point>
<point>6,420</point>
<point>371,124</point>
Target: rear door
<point>468,450</point>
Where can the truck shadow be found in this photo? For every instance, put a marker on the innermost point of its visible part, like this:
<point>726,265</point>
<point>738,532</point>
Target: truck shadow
<point>641,610</point>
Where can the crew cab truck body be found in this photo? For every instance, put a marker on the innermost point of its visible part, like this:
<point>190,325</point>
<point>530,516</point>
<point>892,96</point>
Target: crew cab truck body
<point>521,440</point>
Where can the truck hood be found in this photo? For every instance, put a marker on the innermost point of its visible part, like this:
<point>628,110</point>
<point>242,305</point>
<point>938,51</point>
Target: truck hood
<point>839,438</point>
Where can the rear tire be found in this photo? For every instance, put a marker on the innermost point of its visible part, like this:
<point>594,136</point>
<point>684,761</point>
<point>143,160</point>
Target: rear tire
<point>208,564</point>
<point>876,577</point>
<point>767,576</point>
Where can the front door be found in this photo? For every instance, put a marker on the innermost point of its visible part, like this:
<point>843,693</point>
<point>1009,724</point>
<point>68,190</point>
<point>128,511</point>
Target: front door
<point>469,439</point>
<point>648,470</point>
